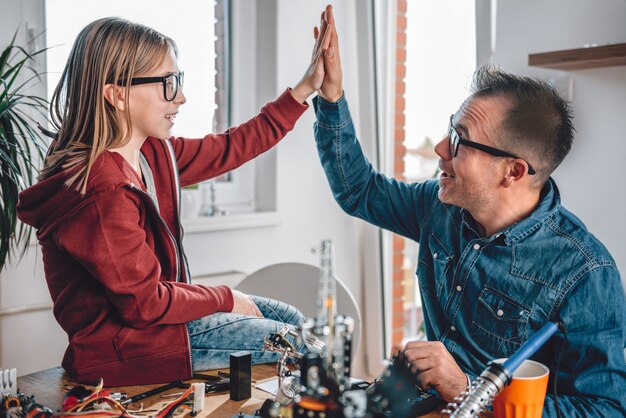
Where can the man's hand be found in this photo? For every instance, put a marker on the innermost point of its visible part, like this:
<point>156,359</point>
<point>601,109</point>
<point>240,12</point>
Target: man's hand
<point>244,305</point>
<point>314,75</point>
<point>332,87</point>
<point>395,350</point>
<point>435,368</point>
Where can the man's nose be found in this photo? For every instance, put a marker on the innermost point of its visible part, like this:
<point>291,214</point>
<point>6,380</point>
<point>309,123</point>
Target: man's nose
<point>443,148</point>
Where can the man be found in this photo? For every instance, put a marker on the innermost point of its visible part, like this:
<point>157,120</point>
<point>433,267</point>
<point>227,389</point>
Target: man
<point>499,256</point>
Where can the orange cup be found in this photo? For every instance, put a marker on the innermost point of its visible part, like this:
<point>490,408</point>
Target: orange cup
<point>524,397</point>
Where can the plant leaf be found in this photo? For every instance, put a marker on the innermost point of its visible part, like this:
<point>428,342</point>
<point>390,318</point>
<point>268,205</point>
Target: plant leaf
<point>21,143</point>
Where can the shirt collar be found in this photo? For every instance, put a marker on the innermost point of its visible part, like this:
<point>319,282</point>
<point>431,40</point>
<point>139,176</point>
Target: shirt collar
<point>549,204</point>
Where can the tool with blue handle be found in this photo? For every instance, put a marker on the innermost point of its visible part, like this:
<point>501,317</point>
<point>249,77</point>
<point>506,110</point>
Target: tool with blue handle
<point>496,376</point>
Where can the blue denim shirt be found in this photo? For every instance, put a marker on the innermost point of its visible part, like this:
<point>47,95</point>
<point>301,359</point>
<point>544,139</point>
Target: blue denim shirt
<point>482,297</point>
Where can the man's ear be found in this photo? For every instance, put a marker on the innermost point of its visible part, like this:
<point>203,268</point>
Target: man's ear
<point>114,94</point>
<point>517,170</point>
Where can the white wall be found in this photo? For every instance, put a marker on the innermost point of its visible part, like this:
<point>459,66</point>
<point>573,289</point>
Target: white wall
<point>592,179</point>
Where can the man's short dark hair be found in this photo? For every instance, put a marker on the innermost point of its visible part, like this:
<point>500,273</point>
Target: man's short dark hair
<point>538,123</point>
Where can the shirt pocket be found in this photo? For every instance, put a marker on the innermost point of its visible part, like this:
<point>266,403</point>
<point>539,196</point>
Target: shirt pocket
<point>439,261</point>
<point>442,264</point>
<point>499,323</point>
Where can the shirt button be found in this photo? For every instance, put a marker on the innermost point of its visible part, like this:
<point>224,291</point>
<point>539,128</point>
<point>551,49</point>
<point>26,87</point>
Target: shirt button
<point>459,288</point>
<point>500,312</point>
<point>477,246</point>
<point>452,328</point>
<point>435,255</point>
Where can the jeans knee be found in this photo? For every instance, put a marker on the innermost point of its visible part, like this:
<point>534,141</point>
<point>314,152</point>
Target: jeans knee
<point>279,311</point>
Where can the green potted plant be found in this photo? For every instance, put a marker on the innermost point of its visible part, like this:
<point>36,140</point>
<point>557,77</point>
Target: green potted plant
<point>21,144</point>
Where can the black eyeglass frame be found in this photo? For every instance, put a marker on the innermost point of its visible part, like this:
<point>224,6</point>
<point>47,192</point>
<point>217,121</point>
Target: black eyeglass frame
<point>456,140</point>
<point>179,77</point>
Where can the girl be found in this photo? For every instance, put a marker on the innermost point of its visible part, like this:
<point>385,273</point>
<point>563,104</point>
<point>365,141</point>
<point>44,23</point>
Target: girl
<point>106,210</point>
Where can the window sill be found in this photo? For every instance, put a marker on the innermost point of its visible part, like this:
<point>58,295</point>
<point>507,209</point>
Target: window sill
<point>230,222</point>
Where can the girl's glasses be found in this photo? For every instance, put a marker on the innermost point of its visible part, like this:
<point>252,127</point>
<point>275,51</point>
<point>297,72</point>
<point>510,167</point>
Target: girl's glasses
<point>171,83</point>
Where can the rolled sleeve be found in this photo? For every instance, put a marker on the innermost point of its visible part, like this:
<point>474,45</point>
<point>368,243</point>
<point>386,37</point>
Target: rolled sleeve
<point>331,114</point>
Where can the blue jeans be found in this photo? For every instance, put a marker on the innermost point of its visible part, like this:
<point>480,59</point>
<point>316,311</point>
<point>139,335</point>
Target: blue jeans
<point>214,337</point>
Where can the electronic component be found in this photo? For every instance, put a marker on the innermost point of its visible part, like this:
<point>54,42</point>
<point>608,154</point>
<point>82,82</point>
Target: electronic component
<point>240,375</point>
<point>397,394</point>
<point>220,385</point>
<point>198,398</point>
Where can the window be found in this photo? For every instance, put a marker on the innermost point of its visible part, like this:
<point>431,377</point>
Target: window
<point>411,55</point>
<point>440,46</point>
<point>197,118</point>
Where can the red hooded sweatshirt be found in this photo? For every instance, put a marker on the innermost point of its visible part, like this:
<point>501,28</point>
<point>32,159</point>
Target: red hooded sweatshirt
<point>114,263</point>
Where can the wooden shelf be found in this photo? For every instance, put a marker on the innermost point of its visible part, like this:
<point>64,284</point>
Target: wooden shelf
<point>581,58</point>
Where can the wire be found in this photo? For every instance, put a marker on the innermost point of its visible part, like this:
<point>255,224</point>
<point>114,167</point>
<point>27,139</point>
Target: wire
<point>82,409</point>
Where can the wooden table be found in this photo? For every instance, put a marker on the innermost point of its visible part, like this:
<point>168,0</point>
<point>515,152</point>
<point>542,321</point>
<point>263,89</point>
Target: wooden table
<point>49,387</point>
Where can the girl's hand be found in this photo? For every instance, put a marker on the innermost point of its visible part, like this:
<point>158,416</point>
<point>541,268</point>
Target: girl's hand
<point>244,305</point>
<point>314,75</point>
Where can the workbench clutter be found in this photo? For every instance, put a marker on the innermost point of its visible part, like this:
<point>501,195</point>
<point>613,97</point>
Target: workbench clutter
<point>318,384</point>
<point>175,399</point>
<point>19,405</point>
<point>80,401</point>
<point>15,403</point>
<point>322,389</point>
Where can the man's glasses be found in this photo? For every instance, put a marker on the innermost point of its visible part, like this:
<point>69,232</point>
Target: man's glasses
<point>171,83</point>
<point>456,141</point>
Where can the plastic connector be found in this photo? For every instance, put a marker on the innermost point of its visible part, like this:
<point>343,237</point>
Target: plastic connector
<point>8,382</point>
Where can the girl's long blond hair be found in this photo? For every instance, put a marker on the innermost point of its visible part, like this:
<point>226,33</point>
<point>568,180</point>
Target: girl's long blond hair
<point>106,51</point>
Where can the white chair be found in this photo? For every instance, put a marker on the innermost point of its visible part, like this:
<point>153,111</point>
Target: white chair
<point>297,284</point>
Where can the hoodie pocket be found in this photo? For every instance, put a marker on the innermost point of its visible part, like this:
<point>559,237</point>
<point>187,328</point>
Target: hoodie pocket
<point>127,345</point>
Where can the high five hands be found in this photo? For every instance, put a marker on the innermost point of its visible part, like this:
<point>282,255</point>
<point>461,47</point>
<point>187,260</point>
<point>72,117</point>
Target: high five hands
<point>324,72</point>
<point>429,360</point>
<point>331,88</point>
